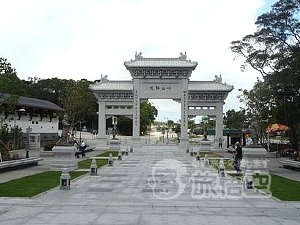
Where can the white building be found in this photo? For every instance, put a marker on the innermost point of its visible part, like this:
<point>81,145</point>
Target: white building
<point>37,118</point>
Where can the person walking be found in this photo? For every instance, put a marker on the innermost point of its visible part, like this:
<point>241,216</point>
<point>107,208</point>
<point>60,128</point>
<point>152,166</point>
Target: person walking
<point>220,143</point>
<point>82,148</point>
<point>238,155</point>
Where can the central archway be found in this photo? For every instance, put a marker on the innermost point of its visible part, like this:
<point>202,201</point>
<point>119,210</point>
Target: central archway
<point>161,78</point>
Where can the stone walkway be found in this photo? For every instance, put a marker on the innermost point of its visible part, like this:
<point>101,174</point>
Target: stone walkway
<point>153,185</point>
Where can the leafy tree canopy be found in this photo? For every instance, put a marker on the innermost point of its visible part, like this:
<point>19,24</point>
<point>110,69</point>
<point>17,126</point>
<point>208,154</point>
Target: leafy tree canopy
<point>274,51</point>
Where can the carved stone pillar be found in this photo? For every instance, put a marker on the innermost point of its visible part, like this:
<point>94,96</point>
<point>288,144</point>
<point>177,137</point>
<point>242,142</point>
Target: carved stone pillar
<point>136,111</point>
<point>219,120</point>
<point>102,123</point>
<point>184,139</point>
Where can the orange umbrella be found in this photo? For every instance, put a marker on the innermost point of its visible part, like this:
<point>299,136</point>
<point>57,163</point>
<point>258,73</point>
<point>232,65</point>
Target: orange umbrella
<point>276,127</point>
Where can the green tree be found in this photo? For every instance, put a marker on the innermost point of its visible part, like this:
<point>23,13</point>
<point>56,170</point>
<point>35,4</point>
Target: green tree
<point>259,101</point>
<point>75,100</point>
<point>9,81</point>
<point>125,125</point>
<point>274,51</point>
<point>148,113</point>
<point>191,125</point>
<point>236,119</point>
<point>274,41</point>
<point>47,89</point>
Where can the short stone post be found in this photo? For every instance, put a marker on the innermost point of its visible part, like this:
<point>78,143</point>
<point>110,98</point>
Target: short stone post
<point>120,155</point>
<point>198,156</point>
<point>131,149</point>
<point>221,168</point>
<point>93,168</point>
<point>248,180</point>
<point>110,160</point>
<point>248,175</point>
<point>187,150</point>
<point>243,165</point>
<point>65,179</point>
<point>206,161</point>
<point>191,152</point>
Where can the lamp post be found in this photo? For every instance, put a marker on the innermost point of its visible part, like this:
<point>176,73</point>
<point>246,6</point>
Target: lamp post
<point>15,124</point>
<point>163,134</point>
<point>149,132</point>
<point>268,132</point>
<point>80,122</point>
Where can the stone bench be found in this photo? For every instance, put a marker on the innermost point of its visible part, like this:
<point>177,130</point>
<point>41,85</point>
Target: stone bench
<point>103,157</point>
<point>19,163</point>
<point>89,149</point>
<point>254,152</point>
<point>290,164</point>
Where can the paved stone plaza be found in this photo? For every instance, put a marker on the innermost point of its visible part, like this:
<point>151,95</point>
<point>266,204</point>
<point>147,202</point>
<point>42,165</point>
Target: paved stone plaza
<point>148,188</point>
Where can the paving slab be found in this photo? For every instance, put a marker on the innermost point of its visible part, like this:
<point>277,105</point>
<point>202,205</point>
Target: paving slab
<point>153,185</point>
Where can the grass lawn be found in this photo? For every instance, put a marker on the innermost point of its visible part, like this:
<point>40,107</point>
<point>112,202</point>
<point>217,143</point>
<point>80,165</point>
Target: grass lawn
<point>215,162</point>
<point>227,163</point>
<point>30,186</point>
<point>285,189</point>
<point>86,164</point>
<point>280,187</point>
<point>33,185</point>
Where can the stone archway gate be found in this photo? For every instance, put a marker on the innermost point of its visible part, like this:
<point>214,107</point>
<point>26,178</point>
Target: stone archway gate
<point>160,78</point>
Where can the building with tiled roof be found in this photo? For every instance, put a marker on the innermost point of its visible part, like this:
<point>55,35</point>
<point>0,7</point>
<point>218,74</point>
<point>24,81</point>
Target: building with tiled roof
<point>37,118</point>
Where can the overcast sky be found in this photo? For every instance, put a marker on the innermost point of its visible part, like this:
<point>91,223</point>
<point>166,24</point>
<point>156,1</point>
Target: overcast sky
<point>72,39</point>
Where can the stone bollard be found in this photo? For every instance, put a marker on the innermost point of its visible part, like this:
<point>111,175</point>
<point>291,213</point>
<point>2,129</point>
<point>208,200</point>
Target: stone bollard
<point>221,168</point>
<point>206,161</point>
<point>65,179</point>
<point>93,168</point>
<point>248,175</point>
<point>198,156</point>
<point>110,160</point>
<point>191,152</point>
<point>131,149</point>
<point>120,155</point>
<point>248,180</point>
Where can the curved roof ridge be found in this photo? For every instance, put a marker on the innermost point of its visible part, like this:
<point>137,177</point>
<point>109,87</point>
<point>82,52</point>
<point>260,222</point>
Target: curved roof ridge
<point>32,102</point>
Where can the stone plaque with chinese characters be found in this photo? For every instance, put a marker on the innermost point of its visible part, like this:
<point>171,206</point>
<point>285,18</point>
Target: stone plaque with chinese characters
<point>160,90</point>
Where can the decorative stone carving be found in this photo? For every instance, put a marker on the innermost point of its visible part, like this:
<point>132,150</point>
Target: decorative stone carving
<point>138,56</point>
<point>218,79</point>
<point>206,96</point>
<point>183,56</point>
<point>103,78</point>
<point>65,130</point>
<point>160,72</point>
<point>122,95</point>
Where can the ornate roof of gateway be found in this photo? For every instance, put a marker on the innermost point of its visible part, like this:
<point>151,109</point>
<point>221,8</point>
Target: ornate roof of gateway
<point>140,62</point>
<point>209,86</point>
<point>112,86</point>
<point>194,86</point>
